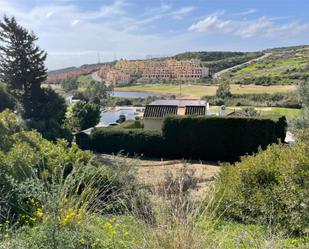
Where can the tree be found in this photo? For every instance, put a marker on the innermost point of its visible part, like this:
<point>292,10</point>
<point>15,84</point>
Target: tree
<point>251,112</point>
<point>69,84</point>
<point>224,90</point>
<point>97,92</point>
<point>303,120</point>
<point>82,115</point>
<point>50,114</point>
<point>23,70</point>
<point>22,65</point>
<point>7,101</point>
<point>9,125</point>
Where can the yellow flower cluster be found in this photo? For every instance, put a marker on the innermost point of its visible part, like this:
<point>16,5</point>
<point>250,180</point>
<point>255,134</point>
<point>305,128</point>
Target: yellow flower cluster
<point>112,227</point>
<point>69,217</point>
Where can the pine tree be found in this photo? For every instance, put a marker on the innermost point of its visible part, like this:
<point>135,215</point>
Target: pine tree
<point>22,65</point>
<point>23,70</point>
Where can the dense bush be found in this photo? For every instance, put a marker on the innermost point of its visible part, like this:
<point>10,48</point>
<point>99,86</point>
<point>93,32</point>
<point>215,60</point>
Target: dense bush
<point>6,100</point>
<point>271,188</point>
<point>217,138</point>
<point>113,140</point>
<point>210,138</point>
<point>82,115</point>
<point>39,174</point>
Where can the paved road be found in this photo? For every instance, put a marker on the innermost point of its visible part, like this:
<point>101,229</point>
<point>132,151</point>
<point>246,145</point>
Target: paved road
<point>218,74</point>
<point>96,77</point>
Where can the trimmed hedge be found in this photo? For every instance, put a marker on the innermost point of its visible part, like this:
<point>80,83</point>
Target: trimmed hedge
<point>113,140</point>
<point>192,137</point>
<point>220,138</point>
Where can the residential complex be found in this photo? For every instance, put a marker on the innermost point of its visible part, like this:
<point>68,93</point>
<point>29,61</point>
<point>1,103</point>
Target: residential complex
<point>133,68</point>
<point>125,70</point>
<point>115,76</point>
<point>170,68</point>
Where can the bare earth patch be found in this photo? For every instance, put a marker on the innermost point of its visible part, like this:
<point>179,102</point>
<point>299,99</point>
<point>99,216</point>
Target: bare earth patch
<point>152,172</point>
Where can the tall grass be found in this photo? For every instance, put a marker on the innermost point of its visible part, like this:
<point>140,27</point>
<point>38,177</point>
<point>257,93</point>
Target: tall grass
<point>104,207</point>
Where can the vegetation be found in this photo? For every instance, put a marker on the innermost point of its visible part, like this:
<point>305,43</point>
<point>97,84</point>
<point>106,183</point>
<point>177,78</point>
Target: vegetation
<point>224,91</point>
<point>69,84</point>
<point>212,138</point>
<point>61,197</point>
<point>220,139</point>
<point>197,91</point>
<point>287,100</point>
<point>84,88</point>
<point>303,120</point>
<point>23,71</point>
<point>218,61</point>
<point>274,192</point>
<point>283,66</point>
<point>6,100</point>
<point>82,115</point>
<point>54,195</point>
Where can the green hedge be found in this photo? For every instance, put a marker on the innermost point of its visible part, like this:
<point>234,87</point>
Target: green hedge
<point>218,138</point>
<point>206,138</point>
<point>113,140</point>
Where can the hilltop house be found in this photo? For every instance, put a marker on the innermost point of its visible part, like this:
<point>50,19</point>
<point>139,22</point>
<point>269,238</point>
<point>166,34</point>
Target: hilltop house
<point>157,110</point>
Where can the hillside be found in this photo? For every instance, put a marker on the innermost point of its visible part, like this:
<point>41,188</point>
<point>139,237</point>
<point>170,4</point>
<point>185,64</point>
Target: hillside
<point>288,65</point>
<point>219,60</point>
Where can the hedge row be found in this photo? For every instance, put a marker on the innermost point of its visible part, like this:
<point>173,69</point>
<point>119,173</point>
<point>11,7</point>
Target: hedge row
<point>113,140</point>
<point>217,138</point>
<point>206,138</point>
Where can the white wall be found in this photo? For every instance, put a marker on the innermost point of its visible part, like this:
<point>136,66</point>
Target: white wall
<point>152,124</point>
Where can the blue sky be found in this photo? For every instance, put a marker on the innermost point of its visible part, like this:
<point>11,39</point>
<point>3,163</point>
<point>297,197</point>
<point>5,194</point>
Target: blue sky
<point>76,32</point>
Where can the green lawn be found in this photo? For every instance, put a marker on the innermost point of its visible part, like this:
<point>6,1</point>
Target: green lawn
<point>197,91</point>
<point>265,111</point>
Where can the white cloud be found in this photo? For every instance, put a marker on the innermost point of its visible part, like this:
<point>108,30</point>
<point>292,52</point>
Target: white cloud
<point>75,22</point>
<point>263,27</point>
<point>73,36</point>
<point>49,14</point>
<point>211,23</point>
<point>180,13</point>
<point>247,12</point>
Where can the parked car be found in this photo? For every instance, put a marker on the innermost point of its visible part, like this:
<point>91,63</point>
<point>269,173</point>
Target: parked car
<point>113,124</point>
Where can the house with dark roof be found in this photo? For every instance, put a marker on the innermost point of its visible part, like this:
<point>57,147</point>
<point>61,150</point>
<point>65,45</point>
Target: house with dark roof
<point>156,111</point>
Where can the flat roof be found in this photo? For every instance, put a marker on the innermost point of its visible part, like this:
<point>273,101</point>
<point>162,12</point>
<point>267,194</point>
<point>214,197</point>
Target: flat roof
<point>178,102</point>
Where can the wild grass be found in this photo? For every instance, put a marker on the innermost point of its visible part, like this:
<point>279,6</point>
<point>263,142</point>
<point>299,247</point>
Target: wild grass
<point>71,219</point>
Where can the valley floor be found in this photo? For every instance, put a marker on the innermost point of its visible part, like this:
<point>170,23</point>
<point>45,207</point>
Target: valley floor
<point>197,91</point>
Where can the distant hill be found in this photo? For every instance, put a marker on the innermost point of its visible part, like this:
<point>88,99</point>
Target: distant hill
<point>219,60</point>
<point>56,76</point>
<point>63,70</point>
<point>287,65</point>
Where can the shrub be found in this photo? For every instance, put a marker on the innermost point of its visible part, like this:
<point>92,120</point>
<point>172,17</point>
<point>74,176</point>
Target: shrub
<point>217,138</point>
<point>210,138</point>
<point>113,140</point>
<point>6,100</point>
<point>37,173</point>
<point>270,188</point>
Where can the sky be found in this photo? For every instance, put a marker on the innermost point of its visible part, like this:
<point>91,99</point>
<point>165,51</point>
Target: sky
<point>76,32</point>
